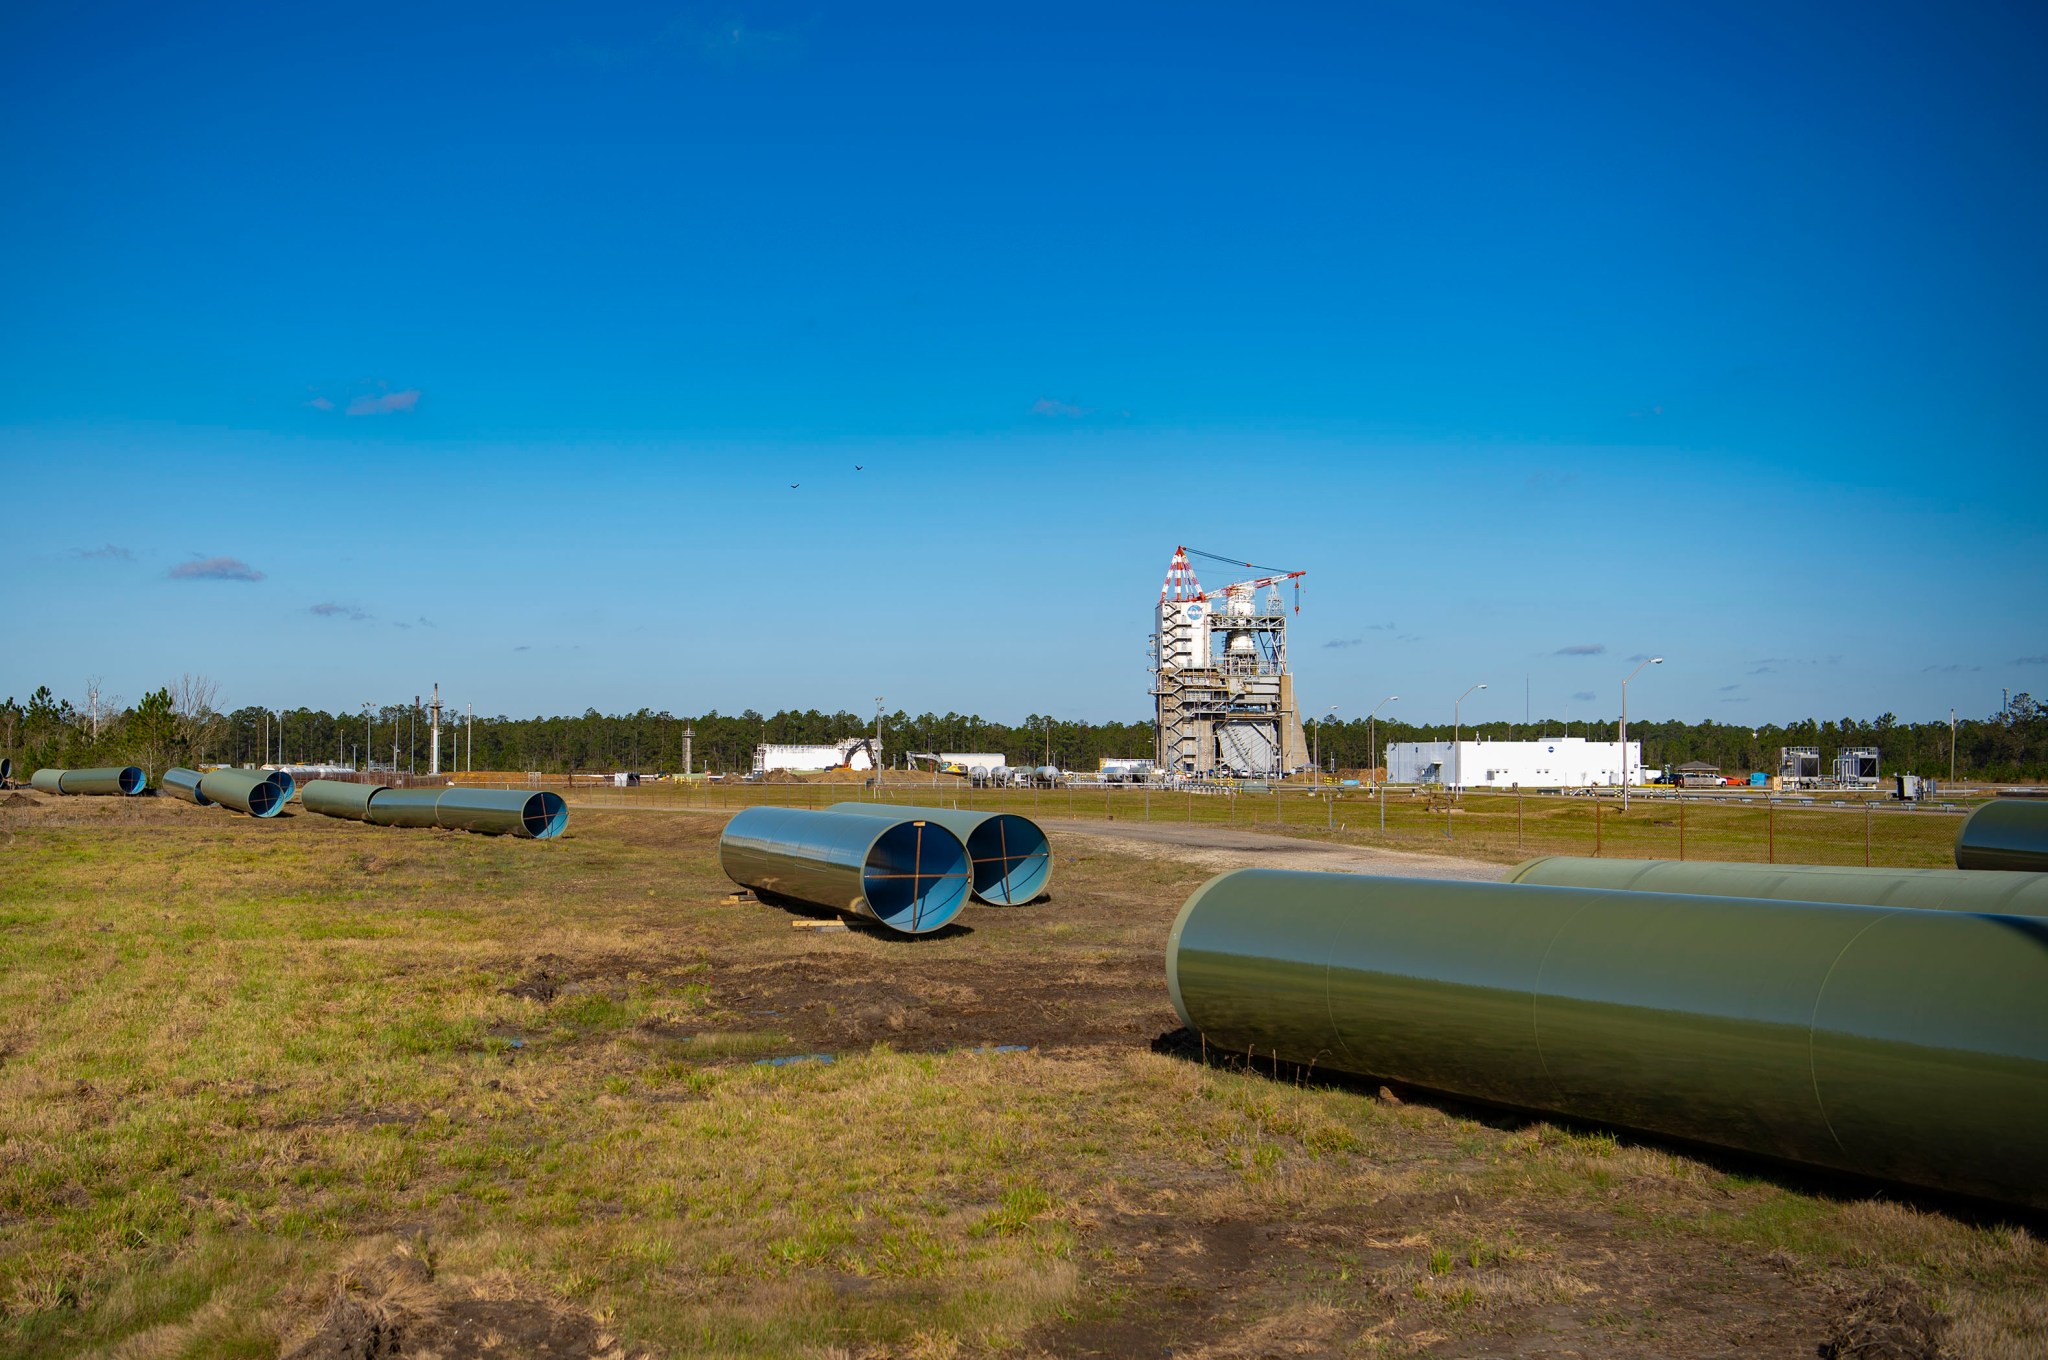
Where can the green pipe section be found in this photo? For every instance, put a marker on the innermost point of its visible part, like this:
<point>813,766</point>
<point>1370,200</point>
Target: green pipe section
<point>340,798</point>
<point>250,791</point>
<point>2006,833</point>
<point>1010,857</point>
<point>117,780</point>
<point>490,812</point>
<point>409,808</point>
<point>2007,894</point>
<point>907,873</point>
<point>182,783</point>
<point>1910,1045</point>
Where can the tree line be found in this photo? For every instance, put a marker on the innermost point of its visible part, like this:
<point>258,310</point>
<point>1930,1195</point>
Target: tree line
<point>178,724</point>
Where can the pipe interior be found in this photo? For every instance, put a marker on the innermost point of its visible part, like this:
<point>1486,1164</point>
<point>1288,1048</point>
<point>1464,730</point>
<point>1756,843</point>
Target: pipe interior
<point>286,785</point>
<point>916,876</point>
<point>1011,859</point>
<point>132,780</point>
<point>265,798</point>
<point>544,816</point>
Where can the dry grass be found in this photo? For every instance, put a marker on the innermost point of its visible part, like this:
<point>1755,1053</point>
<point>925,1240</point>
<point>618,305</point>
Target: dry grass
<point>248,1072</point>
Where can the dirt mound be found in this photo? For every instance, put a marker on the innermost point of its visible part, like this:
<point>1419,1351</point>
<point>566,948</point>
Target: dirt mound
<point>543,981</point>
<point>17,800</point>
<point>1891,1322</point>
<point>386,1303</point>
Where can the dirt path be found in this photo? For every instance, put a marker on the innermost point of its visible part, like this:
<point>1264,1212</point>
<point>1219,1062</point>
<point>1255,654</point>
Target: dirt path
<point>1222,847</point>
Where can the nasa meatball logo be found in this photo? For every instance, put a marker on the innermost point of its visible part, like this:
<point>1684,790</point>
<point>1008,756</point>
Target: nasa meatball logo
<point>1551,749</point>
<point>1194,611</point>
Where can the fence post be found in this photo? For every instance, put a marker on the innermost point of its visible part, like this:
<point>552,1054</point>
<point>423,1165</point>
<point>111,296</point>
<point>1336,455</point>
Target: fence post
<point>1866,835</point>
<point>1596,826</point>
<point>1518,816</point>
<point>1771,832</point>
<point>1681,828</point>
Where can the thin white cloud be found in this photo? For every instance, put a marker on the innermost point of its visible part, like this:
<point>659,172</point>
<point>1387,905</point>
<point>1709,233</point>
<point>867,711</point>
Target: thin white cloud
<point>331,610</point>
<point>1581,649</point>
<point>215,569</point>
<point>383,403</point>
<point>106,552</point>
<point>1057,409</point>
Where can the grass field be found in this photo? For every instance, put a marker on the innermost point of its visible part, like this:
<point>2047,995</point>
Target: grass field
<point>317,1088</point>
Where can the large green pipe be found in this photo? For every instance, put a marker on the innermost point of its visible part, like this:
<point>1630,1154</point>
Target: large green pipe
<point>286,785</point>
<point>340,798</point>
<point>1911,1045</point>
<point>2006,833</point>
<point>119,780</point>
<point>250,791</point>
<point>1923,889</point>
<point>1012,863</point>
<point>909,874</point>
<point>182,783</point>
<point>492,812</point>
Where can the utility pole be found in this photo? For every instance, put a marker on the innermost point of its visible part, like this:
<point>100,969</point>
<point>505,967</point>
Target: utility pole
<point>367,757</point>
<point>1653,661</point>
<point>876,760</point>
<point>689,735</point>
<point>469,749</point>
<point>434,732</point>
<point>412,751</point>
<point>1951,746</point>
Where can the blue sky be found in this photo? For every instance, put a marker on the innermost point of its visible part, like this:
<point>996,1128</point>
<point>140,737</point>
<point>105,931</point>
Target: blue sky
<point>350,349</point>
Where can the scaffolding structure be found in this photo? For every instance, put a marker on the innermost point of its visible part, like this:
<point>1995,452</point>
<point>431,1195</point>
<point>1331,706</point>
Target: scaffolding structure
<point>1225,699</point>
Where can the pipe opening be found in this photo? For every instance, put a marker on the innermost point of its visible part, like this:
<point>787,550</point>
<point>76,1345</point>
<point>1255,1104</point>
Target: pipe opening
<point>286,785</point>
<point>544,816</point>
<point>133,781</point>
<point>1011,859</point>
<point>265,798</point>
<point>916,877</point>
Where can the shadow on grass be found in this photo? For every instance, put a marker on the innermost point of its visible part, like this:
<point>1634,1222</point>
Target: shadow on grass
<point>1839,1187</point>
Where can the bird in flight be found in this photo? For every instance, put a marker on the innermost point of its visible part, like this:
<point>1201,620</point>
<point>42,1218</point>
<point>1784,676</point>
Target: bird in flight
<point>856,467</point>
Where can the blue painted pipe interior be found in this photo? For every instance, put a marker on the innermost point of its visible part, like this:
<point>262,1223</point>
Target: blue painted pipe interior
<point>915,882</point>
<point>265,798</point>
<point>545,814</point>
<point>1011,859</point>
<point>286,785</point>
<point>133,781</point>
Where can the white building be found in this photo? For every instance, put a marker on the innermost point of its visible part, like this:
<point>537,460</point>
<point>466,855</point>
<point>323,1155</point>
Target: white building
<point>855,753</point>
<point>1550,763</point>
<point>971,761</point>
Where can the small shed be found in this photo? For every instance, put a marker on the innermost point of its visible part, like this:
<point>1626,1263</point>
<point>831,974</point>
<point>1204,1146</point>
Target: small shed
<point>1698,774</point>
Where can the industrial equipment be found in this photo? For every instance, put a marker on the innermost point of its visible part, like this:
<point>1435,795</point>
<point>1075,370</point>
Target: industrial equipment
<point>118,780</point>
<point>1010,858</point>
<point>249,791</point>
<point>910,875</point>
<point>1911,1045</point>
<point>182,783</point>
<point>2010,894</point>
<point>1225,698</point>
<point>2006,833</point>
<point>491,812</point>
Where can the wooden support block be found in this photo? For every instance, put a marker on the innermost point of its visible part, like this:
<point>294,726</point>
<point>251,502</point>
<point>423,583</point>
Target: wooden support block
<point>819,927</point>
<point>735,898</point>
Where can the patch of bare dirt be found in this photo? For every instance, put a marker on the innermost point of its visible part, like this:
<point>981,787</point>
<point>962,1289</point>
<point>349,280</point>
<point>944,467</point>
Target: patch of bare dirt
<point>1892,1321</point>
<point>387,1304</point>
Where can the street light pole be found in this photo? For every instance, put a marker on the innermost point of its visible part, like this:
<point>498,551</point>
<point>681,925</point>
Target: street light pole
<point>1318,756</point>
<point>1458,765</point>
<point>366,739</point>
<point>1653,661</point>
<point>1373,753</point>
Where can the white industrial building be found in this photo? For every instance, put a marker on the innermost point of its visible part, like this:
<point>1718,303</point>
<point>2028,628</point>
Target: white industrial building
<point>855,753</point>
<point>1548,763</point>
<point>971,761</point>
